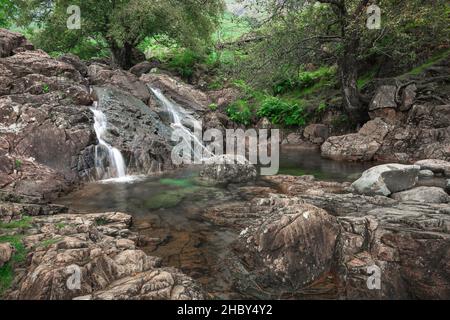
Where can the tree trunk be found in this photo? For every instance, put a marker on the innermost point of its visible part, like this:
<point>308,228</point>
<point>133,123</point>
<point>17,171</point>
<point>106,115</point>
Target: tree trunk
<point>123,56</point>
<point>348,76</point>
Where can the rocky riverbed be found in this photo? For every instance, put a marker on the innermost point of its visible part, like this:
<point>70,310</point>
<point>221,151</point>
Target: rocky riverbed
<point>287,236</point>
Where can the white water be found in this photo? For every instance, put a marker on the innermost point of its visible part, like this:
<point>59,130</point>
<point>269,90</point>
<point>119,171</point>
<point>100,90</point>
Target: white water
<point>117,169</point>
<point>177,113</point>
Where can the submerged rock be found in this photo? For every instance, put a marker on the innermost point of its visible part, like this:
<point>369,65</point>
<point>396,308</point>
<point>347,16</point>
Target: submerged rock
<point>226,169</point>
<point>386,179</point>
<point>423,194</point>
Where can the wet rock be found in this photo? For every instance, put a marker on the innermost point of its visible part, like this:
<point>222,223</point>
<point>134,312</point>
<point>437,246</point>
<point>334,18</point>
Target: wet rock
<point>92,256</point>
<point>6,253</point>
<point>225,170</point>
<point>386,179</point>
<point>136,131</point>
<point>423,194</point>
<point>435,165</point>
<point>184,94</point>
<point>360,146</point>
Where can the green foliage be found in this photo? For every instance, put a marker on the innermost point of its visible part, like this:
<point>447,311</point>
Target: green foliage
<point>49,242</point>
<point>306,79</point>
<point>45,88</point>
<point>433,60</point>
<point>17,164</point>
<point>23,223</point>
<point>7,271</point>
<point>8,10</point>
<point>240,111</point>
<point>122,24</point>
<point>213,107</point>
<point>184,62</point>
<point>282,112</point>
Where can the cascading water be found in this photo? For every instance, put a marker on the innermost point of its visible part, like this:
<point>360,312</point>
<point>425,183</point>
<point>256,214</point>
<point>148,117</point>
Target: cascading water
<point>116,168</point>
<point>178,113</point>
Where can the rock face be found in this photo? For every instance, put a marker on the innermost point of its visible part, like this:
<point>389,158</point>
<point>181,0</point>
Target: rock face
<point>407,244</point>
<point>6,252</point>
<point>360,146</point>
<point>183,94</point>
<point>47,138</point>
<point>291,247</point>
<point>418,117</point>
<point>423,194</point>
<point>387,179</point>
<point>136,130</point>
<point>225,170</point>
<point>99,251</point>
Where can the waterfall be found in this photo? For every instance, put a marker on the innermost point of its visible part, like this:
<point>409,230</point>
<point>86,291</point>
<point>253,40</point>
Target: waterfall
<point>177,113</point>
<point>117,168</point>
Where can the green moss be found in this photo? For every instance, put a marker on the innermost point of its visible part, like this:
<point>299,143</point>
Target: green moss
<point>168,199</point>
<point>6,277</point>
<point>433,60</point>
<point>183,183</point>
<point>61,225</point>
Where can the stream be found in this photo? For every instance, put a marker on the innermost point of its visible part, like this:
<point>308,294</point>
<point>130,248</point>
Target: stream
<point>167,210</point>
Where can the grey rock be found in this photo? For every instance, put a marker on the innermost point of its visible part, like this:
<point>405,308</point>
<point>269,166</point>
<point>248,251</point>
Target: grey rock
<point>6,253</point>
<point>224,170</point>
<point>384,98</point>
<point>426,174</point>
<point>423,194</point>
<point>387,179</point>
<point>435,165</point>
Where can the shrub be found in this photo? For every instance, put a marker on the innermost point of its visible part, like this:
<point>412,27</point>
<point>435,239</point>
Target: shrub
<point>184,62</point>
<point>213,107</point>
<point>282,112</point>
<point>240,112</point>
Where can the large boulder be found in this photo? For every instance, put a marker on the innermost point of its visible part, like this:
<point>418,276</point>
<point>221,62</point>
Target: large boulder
<point>387,179</point>
<point>316,133</point>
<point>225,169</point>
<point>423,194</point>
<point>435,165</point>
<point>361,146</point>
<point>291,246</point>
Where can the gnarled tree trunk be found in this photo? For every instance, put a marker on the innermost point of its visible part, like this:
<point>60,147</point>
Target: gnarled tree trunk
<point>122,56</point>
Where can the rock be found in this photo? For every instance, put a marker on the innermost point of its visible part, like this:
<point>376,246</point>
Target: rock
<point>136,130</point>
<point>224,170</point>
<point>97,250</point>
<point>289,248</point>
<point>360,146</point>
<point>423,194</point>
<point>386,179</point>
<point>426,174</point>
<point>102,75</point>
<point>144,67</point>
<point>12,42</point>
<point>447,188</point>
<point>316,133</point>
<point>6,253</point>
<point>75,62</point>
<point>384,98</point>
<point>408,97</point>
<point>184,94</point>
<point>435,165</point>
<point>293,138</point>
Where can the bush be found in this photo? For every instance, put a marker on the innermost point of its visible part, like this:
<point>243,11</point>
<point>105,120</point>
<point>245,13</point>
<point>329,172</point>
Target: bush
<point>305,79</point>
<point>240,112</point>
<point>282,112</point>
<point>183,62</point>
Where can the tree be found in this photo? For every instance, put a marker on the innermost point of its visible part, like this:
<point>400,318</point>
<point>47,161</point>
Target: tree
<point>122,24</point>
<point>7,11</point>
<point>298,32</point>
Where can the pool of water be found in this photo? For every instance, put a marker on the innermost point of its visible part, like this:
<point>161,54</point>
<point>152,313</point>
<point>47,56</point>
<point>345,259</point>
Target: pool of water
<point>167,210</point>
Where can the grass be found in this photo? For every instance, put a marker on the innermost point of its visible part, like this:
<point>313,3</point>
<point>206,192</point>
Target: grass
<point>433,60</point>
<point>7,271</point>
<point>23,223</point>
<point>47,243</point>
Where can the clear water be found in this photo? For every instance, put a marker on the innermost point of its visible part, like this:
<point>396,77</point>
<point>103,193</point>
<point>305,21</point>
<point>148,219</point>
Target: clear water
<point>168,209</point>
